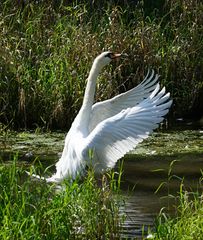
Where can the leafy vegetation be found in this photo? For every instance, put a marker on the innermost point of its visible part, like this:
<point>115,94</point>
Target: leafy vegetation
<point>188,222</point>
<point>33,210</point>
<point>27,207</point>
<point>47,49</point>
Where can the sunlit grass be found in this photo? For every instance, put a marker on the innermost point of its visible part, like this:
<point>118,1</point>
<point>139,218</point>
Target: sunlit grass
<point>35,210</point>
<point>187,222</point>
<point>47,50</point>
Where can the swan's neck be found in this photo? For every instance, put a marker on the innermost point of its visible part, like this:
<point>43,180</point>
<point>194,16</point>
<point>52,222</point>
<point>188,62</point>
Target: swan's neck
<point>90,88</point>
<point>85,111</point>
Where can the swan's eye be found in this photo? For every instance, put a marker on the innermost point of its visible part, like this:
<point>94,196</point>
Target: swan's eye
<point>109,55</point>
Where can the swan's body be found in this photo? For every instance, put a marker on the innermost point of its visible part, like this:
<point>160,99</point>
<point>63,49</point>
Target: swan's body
<point>113,127</point>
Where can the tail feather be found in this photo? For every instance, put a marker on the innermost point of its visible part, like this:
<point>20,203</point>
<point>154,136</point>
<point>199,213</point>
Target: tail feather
<point>52,179</point>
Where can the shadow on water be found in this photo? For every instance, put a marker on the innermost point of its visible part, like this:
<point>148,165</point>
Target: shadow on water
<point>145,174</point>
<point>164,160</point>
<point>143,170</point>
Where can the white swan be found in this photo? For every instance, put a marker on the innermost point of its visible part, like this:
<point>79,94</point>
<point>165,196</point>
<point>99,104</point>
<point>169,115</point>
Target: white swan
<point>113,127</point>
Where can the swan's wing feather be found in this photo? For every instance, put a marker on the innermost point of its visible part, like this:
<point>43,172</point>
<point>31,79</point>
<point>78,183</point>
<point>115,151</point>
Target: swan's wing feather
<point>117,135</point>
<point>111,107</point>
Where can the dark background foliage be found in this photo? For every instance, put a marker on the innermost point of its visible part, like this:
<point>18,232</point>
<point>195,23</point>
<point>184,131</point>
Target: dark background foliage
<point>47,48</point>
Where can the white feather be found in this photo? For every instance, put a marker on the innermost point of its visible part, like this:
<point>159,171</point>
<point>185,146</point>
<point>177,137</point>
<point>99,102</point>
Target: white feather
<point>113,127</point>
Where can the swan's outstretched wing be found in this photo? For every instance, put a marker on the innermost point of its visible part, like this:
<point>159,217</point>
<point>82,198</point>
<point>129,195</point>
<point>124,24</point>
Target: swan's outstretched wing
<point>117,135</point>
<point>111,107</point>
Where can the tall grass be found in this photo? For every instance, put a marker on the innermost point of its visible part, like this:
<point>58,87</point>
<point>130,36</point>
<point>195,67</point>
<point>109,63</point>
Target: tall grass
<point>187,223</point>
<point>33,210</point>
<point>47,49</point>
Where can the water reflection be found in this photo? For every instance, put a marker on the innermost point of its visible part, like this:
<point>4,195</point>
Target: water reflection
<point>144,170</point>
<point>167,160</point>
<point>144,176</point>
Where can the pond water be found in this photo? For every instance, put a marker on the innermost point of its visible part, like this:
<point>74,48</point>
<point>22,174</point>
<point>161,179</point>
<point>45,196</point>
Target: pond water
<point>164,158</point>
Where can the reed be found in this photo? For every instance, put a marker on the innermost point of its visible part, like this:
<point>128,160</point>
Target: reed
<point>187,222</point>
<point>34,210</point>
<point>47,49</point>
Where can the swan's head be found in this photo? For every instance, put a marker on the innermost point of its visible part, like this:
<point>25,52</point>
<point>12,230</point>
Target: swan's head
<point>105,58</point>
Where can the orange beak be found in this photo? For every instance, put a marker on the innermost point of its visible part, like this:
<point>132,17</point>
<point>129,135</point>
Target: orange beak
<point>115,55</point>
<point>118,55</point>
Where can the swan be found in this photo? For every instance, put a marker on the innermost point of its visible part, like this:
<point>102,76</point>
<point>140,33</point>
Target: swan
<point>111,128</point>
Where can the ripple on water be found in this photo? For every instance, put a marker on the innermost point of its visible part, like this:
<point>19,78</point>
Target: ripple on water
<point>144,169</point>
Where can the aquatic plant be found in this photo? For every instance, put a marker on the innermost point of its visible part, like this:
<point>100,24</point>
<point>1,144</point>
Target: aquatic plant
<point>47,49</point>
<point>33,210</point>
<point>187,222</point>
